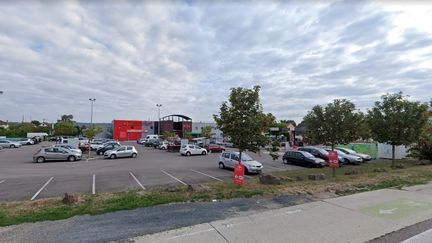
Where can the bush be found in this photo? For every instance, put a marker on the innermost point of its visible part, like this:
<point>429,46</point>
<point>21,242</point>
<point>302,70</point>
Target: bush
<point>423,149</point>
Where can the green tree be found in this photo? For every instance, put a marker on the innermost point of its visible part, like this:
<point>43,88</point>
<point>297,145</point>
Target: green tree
<point>242,119</point>
<point>168,135</point>
<point>91,132</point>
<point>66,118</point>
<point>36,123</point>
<point>65,129</point>
<point>423,148</point>
<point>396,121</point>
<point>364,131</point>
<point>187,135</point>
<point>207,133</point>
<point>337,123</point>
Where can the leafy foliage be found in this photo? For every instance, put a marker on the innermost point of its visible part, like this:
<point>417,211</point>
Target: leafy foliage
<point>168,134</point>
<point>396,120</point>
<point>242,119</point>
<point>91,132</point>
<point>337,123</point>
<point>21,129</point>
<point>65,129</point>
<point>423,148</point>
<point>207,132</point>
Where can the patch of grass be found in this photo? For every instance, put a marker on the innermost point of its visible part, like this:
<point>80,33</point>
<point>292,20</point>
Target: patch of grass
<point>54,209</point>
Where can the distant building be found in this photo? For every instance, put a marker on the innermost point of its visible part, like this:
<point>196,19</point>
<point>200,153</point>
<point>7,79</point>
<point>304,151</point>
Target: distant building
<point>4,124</point>
<point>197,128</point>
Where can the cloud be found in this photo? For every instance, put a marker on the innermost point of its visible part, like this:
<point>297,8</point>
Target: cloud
<point>187,55</point>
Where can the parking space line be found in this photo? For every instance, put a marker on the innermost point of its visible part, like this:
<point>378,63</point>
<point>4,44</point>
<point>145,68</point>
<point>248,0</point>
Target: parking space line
<point>137,181</point>
<point>271,166</point>
<point>2,181</point>
<point>175,178</point>
<point>94,184</point>
<point>207,175</point>
<point>40,190</point>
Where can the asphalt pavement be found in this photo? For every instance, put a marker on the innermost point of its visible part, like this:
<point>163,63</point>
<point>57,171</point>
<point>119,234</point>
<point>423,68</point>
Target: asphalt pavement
<point>21,179</point>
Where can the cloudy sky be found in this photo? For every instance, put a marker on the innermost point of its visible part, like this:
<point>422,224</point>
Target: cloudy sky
<point>186,55</point>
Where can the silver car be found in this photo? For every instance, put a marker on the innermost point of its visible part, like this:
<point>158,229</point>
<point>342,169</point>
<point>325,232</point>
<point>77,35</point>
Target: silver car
<point>364,157</point>
<point>348,158</point>
<point>229,158</point>
<point>26,141</point>
<point>121,152</point>
<point>65,146</point>
<point>55,153</point>
<point>9,144</point>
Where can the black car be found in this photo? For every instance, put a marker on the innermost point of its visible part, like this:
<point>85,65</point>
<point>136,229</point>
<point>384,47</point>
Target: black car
<point>317,152</point>
<point>110,146</point>
<point>302,158</point>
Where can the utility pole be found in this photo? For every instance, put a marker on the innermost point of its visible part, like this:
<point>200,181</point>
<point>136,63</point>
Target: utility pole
<point>159,122</point>
<point>92,100</point>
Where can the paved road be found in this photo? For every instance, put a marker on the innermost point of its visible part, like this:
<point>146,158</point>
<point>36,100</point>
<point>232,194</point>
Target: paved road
<point>130,223</point>
<point>20,179</point>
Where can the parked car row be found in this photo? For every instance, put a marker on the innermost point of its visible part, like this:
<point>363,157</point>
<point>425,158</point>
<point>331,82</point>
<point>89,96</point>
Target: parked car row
<point>310,156</point>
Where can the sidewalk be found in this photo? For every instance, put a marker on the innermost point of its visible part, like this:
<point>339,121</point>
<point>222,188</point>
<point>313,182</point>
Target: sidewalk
<point>355,218</point>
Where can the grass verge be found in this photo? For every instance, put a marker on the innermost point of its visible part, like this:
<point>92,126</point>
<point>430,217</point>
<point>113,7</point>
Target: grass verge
<point>295,182</point>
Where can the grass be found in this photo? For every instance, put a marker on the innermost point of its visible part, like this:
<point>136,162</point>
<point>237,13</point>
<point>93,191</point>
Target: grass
<point>53,209</point>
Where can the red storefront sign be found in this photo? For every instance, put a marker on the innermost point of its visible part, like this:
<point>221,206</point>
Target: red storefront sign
<point>333,159</point>
<point>238,174</point>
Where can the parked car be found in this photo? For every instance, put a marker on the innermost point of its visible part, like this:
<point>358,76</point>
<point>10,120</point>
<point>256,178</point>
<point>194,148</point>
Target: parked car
<point>317,152</point>
<point>108,146</point>
<point>149,142</point>
<point>345,158</point>
<point>55,153</point>
<point>302,158</point>
<point>215,148</point>
<point>84,146</point>
<point>65,146</point>
<point>190,149</point>
<point>229,158</point>
<point>95,145</point>
<point>26,141</point>
<point>364,157</point>
<point>141,141</point>
<point>9,144</point>
<point>163,145</point>
<point>121,152</point>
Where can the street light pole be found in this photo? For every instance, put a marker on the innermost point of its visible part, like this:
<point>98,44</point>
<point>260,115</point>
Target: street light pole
<point>92,100</point>
<point>159,123</point>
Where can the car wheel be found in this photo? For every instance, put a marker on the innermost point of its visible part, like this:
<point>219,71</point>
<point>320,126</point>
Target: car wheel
<point>221,165</point>
<point>134,155</point>
<point>309,165</point>
<point>188,153</point>
<point>285,161</point>
<point>346,161</point>
<point>113,156</point>
<point>13,146</point>
<point>203,153</point>
<point>246,170</point>
<point>40,159</point>
<point>71,158</point>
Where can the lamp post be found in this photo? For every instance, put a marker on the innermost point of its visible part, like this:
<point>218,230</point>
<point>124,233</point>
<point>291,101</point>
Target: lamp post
<point>92,100</point>
<point>159,106</point>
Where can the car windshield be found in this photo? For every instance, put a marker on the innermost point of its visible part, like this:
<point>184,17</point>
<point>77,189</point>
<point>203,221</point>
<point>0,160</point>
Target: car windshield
<point>349,150</point>
<point>246,157</point>
<point>323,151</point>
<point>340,151</point>
<point>308,155</point>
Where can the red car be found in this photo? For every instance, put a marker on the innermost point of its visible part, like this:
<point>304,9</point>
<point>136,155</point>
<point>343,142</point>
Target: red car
<point>215,148</point>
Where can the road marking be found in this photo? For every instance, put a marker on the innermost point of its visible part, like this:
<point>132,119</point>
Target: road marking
<point>207,175</point>
<point>94,185</point>
<point>175,178</point>
<point>2,181</point>
<point>37,193</point>
<point>137,181</point>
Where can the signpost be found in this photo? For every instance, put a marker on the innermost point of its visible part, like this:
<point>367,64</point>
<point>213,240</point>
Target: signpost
<point>238,174</point>
<point>333,161</point>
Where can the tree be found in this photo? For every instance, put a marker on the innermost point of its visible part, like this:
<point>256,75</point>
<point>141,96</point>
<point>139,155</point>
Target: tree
<point>36,123</point>
<point>187,135</point>
<point>397,121</point>
<point>66,118</point>
<point>364,131</point>
<point>337,123</point>
<point>65,129</point>
<point>423,148</point>
<point>207,133</point>
<point>168,134</point>
<point>242,119</point>
<point>91,132</point>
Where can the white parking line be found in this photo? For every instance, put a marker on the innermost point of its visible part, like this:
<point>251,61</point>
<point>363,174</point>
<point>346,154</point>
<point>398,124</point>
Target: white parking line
<point>37,193</point>
<point>175,178</point>
<point>137,181</point>
<point>2,181</point>
<point>94,185</point>
<point>207,175</point>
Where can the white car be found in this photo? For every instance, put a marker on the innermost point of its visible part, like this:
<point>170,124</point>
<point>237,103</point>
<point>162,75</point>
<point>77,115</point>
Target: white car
<point>96,145</point>
<point>163,145</point>
<point>67,147</point>
<point>229,158</point>
<point>26,141</point>
<point>121,152</point>
<point>9,144</point>
<point>190,149</point>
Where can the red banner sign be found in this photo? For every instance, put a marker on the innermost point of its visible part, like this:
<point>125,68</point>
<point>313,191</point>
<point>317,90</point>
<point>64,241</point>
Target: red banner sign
<point>333,159</point>
<point>238,174</point>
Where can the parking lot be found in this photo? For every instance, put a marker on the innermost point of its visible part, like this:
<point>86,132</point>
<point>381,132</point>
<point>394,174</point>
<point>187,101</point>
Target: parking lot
<point>21,179</point>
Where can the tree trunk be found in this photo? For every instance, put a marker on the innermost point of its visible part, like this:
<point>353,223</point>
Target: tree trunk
<point>393,156</point>
<point>240,155</point>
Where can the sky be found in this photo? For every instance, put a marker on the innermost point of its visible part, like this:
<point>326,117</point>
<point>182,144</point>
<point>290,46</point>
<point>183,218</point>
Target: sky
<point>186,55</point>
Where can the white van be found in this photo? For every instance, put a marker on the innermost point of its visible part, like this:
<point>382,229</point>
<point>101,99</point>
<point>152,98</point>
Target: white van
<point>151,137</point>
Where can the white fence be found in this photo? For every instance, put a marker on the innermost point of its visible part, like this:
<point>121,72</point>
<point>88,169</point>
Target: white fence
<point>385,151</point>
